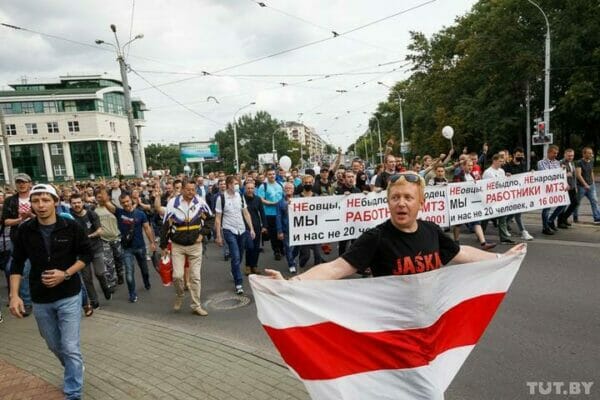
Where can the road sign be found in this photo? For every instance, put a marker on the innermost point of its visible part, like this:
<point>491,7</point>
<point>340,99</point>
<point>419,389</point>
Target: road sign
<point>195,159</point>
<point>208,151</point>
<point>404,147</point>
<point>542,139</point>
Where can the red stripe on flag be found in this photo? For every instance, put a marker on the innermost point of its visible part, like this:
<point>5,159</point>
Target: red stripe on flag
<point>328,350</point>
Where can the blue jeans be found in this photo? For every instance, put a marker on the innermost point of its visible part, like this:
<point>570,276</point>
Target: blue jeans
<point>58,324</point>
<point>590,194</point>
<point>140,256</point>
<point>548,218</point>
<point>291,252</point>
<point>24,292</point>
<point>236,249</point>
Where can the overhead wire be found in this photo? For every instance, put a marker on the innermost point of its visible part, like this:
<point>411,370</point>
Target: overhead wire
<point>175,100</point>
<point>302,46</point>
<point>324,28</point>
<point>131,24</point>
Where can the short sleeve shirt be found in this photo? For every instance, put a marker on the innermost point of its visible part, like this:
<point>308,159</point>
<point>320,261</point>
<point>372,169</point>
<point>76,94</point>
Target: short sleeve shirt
<point>125,219</point>
<point>270,192</point>
<point>389,251</point>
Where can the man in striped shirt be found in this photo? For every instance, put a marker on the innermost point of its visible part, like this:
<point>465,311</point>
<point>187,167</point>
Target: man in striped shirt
<point>550,162</point>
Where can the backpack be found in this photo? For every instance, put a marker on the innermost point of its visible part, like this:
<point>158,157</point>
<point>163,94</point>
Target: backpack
<point>222,197</point>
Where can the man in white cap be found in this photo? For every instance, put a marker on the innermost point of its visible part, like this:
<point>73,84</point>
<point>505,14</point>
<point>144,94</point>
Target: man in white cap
<point>17,209</point>
<point>57,249</point>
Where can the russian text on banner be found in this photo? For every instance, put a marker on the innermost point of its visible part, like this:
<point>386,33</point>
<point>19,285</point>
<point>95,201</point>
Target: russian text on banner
<point>382,338</point>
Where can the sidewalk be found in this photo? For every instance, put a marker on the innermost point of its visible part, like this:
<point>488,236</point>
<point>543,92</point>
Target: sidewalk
<point>133,358</point>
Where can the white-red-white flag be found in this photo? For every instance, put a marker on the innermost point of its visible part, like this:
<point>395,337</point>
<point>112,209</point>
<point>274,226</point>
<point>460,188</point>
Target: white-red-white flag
<point>396,337</point>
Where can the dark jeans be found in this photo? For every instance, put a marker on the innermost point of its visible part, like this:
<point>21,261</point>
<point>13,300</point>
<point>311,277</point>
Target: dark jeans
<point>140,256</point>
<point>562,218</point>
<point>276,244</point>
<point>252,250</point>
<point>97,268</point>
<point>236,249</point>
<point>304,254</point>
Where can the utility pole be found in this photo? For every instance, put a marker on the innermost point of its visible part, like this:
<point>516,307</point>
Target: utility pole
<point>528,124</point>
<point>134,142</point>
<point>547,78</point>
<point>8,174</point>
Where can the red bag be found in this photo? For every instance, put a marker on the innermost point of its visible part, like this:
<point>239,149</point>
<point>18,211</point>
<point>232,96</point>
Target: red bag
<point>165,269</point>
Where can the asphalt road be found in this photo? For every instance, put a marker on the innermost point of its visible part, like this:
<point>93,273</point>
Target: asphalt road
<point>547,329</point>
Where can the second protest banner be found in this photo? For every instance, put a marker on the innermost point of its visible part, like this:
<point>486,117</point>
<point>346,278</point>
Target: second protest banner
<point>336,218</point>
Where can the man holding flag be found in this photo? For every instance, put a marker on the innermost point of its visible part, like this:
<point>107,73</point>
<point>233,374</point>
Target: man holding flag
<point>402,245</point>
<point>391,337</point>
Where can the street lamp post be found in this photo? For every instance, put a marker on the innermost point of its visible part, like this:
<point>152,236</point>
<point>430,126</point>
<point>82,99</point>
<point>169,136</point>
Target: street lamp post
<point>134,143</point>
<point>401,118</point>
<point>379,137</point>
<point>547,78</point>
<point>235,144</point>
<point>273,144</point>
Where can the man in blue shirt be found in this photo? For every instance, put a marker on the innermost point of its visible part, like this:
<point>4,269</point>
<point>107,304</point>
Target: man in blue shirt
<point>131,223</point>
<point>270,192</point>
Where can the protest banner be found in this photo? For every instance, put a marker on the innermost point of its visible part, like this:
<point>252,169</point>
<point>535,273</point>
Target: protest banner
<point>492,198</point>
<point>335,218</point>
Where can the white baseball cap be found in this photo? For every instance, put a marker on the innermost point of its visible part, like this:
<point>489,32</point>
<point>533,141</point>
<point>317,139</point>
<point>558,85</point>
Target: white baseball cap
<point>43,188</point>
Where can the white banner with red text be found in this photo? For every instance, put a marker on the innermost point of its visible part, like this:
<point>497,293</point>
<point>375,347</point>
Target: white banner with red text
<point>345,217</point>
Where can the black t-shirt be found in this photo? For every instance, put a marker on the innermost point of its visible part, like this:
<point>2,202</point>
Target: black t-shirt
<point>90,223</point>
<point>382,180</point>
<point>389,251</point>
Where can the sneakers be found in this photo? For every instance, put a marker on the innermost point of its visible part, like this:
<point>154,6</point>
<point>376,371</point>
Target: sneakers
<point>292,270</point>
<point>178,303</point>
<point>562,225</point>
<point>487,246</point>
<point>552,226</point>
<point>28,310</point>
<point>200,311</point>
<point>526,236</point>
<point>277,256</point>
<point>239,289</point>
<point>507,241</point>
<point>148,286</point>
<point>133,299</point>
<point>548,231</point>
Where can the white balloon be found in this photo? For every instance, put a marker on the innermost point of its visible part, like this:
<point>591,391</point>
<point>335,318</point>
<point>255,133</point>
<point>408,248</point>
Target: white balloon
<point>448,132</point>
<point>285,162</point>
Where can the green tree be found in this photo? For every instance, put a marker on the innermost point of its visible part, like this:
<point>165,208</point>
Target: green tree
<point>254,135</point>
<point>473,76</point>
<point>160,156</point>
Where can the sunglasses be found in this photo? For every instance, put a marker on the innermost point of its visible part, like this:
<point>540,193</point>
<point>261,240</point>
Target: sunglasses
<point>412,178</point>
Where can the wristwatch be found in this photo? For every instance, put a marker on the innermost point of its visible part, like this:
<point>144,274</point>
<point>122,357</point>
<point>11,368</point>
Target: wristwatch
<point>67,276</point>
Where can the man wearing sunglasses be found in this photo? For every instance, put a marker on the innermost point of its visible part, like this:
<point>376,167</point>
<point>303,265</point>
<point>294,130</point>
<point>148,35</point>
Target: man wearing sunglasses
<point>402,245</point>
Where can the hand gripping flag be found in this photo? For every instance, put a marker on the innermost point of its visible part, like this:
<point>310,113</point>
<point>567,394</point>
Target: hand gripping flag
<point>395,337</point>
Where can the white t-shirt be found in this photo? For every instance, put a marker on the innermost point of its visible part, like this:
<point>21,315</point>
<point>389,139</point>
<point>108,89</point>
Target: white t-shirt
<point>232,217</point>
<point>492,173</point>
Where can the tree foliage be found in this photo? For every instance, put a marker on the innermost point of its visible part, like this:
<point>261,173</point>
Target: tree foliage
<point>254,136</point>
<point>159,156</point>
<point>473,76</point>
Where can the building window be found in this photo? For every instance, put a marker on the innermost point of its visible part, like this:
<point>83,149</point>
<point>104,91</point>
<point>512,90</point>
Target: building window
<point>6,108</point>
<point>56,149</point>
<point>73,126</point>
<point>112,126</point>
<point>52,127</point>
<point>70,106</point>
<point>27,107</point>
<point>31,129</point>
<point>50,107</point>
<point>60,170</point>
<point>11,129</point>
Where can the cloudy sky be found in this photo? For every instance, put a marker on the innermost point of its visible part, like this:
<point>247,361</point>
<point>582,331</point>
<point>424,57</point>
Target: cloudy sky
<point>184,38</point>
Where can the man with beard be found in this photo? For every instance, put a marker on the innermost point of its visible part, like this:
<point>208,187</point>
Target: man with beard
<point>90,223</point>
